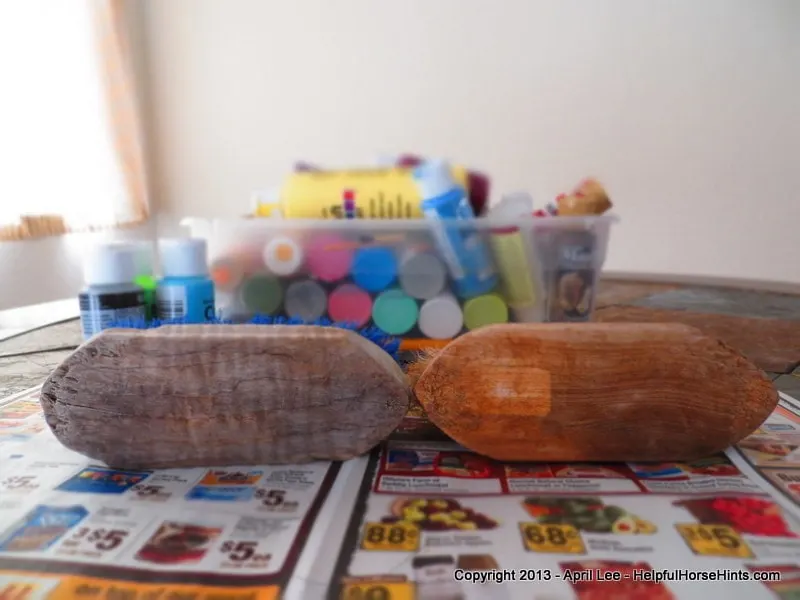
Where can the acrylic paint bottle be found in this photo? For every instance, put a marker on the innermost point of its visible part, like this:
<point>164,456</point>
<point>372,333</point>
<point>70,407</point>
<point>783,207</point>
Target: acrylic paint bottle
<point>110,294</point>
<point>186,291</point>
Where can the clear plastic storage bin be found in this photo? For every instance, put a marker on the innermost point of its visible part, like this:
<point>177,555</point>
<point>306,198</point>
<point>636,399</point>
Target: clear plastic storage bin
<point>419,280</point>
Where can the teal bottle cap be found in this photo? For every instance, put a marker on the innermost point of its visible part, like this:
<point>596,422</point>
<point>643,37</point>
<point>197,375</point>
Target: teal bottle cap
<point>395,312</point>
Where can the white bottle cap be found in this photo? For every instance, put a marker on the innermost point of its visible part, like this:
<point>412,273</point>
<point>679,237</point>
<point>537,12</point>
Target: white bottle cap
<point>283,256</point>
<point>434,178</point>
<point>441,318</point>
<point>110,264</point>
<point>185,257</point>
<point>142,253</point>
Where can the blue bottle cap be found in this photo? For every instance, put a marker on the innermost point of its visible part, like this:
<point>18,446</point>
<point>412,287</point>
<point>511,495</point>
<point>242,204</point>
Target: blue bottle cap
<point>374,269</point>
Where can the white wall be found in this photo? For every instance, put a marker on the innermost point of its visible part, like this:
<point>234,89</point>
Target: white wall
<point>686,110</point>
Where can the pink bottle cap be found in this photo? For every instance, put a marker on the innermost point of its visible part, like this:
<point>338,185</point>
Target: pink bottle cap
<point>350,304</point>
<point>328,258</point>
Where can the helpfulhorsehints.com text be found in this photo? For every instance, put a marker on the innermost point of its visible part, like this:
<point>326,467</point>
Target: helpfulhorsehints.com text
<point>574,576</point>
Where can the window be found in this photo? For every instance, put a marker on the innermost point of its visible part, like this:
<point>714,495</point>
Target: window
<point>70,148</point>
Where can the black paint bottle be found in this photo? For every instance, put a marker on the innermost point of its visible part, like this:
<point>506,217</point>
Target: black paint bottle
<point>110,294</point>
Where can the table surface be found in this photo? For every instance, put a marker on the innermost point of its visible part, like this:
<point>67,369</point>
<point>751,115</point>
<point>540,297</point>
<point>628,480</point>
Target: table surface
<point>27,358</point>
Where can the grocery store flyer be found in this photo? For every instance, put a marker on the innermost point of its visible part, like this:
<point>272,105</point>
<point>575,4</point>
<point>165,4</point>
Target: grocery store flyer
<point>428,513</point>
<point>419,518</point>
<point>771,455</point>
<point>69,525</point>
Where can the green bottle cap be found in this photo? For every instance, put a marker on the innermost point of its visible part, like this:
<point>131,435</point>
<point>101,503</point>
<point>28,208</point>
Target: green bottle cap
<point>485,310</point>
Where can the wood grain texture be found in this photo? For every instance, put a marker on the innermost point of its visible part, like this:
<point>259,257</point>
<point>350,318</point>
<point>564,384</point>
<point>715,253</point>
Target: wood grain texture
<point>223,395</point>
<point>593,392</point>
<point>772,344</point>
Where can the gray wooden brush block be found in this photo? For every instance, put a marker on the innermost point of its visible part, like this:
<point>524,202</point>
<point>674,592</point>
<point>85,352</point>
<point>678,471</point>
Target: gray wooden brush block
<point>224,395</point>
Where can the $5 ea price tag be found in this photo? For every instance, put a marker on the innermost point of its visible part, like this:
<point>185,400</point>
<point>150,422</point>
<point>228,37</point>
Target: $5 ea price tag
<point>714,540</point>
<point>391,537</point>
<point>244,554</point>
<point>551,539</point>
<point>94,542</point>
<point>378,591</point>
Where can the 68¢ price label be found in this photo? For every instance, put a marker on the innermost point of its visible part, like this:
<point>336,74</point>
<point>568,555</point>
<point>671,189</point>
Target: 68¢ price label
<point>552,539</point>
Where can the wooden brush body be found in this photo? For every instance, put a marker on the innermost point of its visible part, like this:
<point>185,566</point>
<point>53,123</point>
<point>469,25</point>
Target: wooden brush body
<point>221,395</point>
<point>593,392</point>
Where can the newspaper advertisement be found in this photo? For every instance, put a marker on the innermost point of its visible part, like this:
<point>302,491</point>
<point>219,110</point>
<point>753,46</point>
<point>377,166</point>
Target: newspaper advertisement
<point>420,518</point>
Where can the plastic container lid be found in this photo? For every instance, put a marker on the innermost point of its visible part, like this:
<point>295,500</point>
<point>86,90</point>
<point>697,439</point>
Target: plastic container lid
<point>186,257</point>
<point>110,264</point>
<point>434,179</point>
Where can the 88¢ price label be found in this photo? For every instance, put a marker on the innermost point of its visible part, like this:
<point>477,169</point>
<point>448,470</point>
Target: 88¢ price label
<point>378,591</point>
<point>391,537</point>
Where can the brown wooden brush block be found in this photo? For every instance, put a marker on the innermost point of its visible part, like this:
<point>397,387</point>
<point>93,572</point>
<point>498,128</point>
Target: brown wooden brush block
<point>593,392</point>
<point>222,395</point>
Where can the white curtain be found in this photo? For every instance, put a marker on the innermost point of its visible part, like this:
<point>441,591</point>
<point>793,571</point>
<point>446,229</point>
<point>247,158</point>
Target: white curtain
<point>71,150</point>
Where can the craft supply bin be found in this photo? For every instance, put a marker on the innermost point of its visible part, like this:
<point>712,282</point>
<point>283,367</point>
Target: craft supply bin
<point>417,279</point>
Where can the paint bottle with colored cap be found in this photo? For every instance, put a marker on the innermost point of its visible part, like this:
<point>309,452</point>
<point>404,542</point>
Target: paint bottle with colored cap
<point>110,294</point>
<point>145,277</point>
<point>445,205</point>
<point>186,291</point>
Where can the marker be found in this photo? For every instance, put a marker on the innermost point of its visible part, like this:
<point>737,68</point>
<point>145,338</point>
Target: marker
<point>350,304</point>
<point>444,204</point>
<point>283,256</point>
<point>441,318</point>
<point>395,312</point>
<point>513,259</point>
<point>422,274</point>
<point>229,267</point>
<point>485,310</point>
<point>374,269</point>
<point>306,300</point>
<point>326,264</point>
<point>262,294</point>
<point>226,273</point>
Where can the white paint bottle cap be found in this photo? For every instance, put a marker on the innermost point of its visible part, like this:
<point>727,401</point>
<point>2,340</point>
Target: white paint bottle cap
<point>441,318</point>
<point>110,264</point>
<point>183,257</point>
<point>283,256</point>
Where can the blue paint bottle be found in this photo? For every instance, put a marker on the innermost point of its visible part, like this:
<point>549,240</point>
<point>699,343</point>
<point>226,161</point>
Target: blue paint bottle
<point>185,291</point>
<point>445,205</point>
